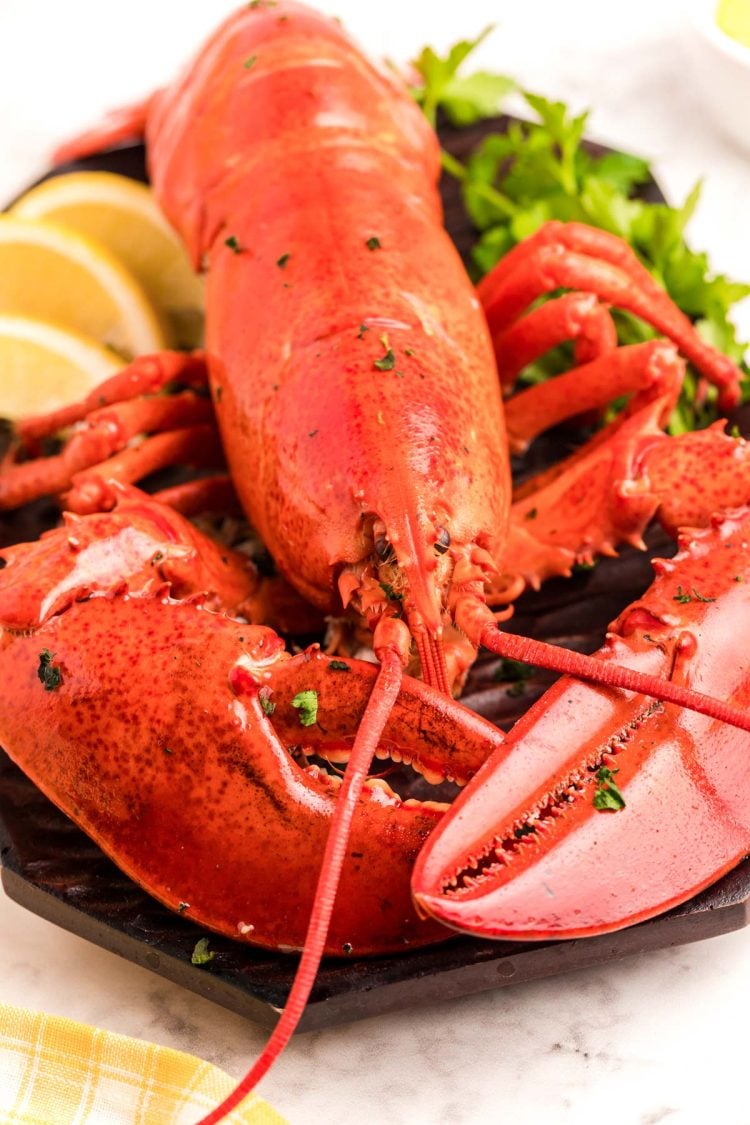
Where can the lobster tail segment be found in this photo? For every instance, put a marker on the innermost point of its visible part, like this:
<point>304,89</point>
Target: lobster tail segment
<point>605,808</point>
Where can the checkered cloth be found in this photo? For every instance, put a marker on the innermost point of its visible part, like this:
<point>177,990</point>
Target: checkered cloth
<point>57,1072</point>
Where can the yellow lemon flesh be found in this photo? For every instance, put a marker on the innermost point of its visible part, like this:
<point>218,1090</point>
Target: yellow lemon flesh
<point>52,273</point>
<point>733,17</point>
<point>43,367</point>
<point>123,215</point>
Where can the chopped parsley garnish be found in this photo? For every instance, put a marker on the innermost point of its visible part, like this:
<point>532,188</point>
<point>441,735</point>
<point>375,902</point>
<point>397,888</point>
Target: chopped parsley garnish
<point>49,674</point>
<point>202,954</point>
<point>409,351</point>
<point>313,433</point>
<point>607,795</point>
<point>306,703</point>
<point>264,697</point>
<point>373,243</point>
<point>362,329</point>
<point>683,596</point>
<point>282,261</point>
<point>387,362</point>
<point>233,244</point>
<point>262,4</point>
<point>338,666</point>
<point>250,61</point>
<point>531,514</point>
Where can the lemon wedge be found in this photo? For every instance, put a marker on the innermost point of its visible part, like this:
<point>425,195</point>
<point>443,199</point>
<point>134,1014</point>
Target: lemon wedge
<point>44,367</point>
<point>52,273</point>
<point>124,216</point>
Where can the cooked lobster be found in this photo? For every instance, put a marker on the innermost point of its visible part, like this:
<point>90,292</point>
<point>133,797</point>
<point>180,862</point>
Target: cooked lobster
<point>360,410</point>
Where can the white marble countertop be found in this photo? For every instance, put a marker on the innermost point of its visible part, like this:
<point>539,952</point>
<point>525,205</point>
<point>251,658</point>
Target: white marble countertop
<point>661,1037</point>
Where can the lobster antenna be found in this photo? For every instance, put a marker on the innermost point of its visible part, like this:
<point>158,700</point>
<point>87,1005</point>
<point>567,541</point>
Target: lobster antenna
<point>377,712</point>
<point>595,671</point>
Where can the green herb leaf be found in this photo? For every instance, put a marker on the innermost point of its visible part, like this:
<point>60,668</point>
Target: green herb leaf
<point>202,954</point>
<point>362,329</point>
<point>233,244</point>
<point>387,363</point>
<point>306,703</point>
<point>264,697</point>
<point>390,592</point>
<point>682,596</point>
<point>373,243</point>
<point>607,795</point>
<point>250,61</point>
<point>464,100</point>
<point>48,673</point>
<point>338,666</point>
<point>282,261</point>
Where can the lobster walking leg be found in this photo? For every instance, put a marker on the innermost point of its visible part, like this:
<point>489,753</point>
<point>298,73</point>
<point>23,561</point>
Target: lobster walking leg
<point>576,316</point>
<point>106,422</point>
<point>574,256</point>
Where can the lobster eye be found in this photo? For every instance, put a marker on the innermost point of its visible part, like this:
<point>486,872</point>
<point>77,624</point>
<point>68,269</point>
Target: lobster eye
<point>443,541</point>
<point>382,548</point>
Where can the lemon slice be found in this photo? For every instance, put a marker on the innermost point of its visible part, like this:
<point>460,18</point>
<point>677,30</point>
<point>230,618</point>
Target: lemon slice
<point>44,367</point>
<point>54,274</point>
<point>124,215</point>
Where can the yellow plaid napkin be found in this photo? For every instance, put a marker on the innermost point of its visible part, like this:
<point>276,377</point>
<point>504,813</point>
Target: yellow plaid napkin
<point>54,1071</point>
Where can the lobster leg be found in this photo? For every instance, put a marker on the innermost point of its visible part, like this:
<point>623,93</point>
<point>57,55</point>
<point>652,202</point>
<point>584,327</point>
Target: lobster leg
<point>574,256</point>
<point>526,851</point>
<point>106,421</point>
<point>646,371</point>
<point>575,316</point>
<point>105,432</point>
<point>197,446</point>
<point>146,375</point>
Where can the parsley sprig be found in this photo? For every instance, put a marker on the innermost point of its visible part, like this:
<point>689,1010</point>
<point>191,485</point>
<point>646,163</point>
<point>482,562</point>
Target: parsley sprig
<point>463,100</point>
<point>607,795</point>
<point>537,170</point>
<point>306,702</point>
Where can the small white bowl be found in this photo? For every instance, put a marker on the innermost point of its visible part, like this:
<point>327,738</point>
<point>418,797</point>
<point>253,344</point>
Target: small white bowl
<point>721,67</point>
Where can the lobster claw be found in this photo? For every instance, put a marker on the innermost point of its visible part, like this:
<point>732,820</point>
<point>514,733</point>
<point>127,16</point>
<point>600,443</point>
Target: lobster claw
<point>604,808</point>
<point>196,752</point>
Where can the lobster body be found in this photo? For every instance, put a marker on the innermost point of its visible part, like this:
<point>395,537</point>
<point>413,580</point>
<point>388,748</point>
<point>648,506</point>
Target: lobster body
<point>323,178</point>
